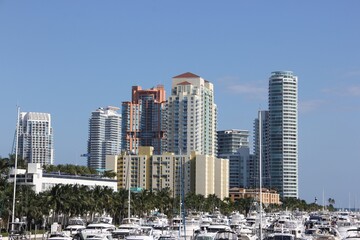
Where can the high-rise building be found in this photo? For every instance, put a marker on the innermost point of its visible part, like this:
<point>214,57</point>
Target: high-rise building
<point>283,133</point>
<point>234,145</point>
<point>142,119</point>
<point>229,141</point>
<point>191,116</point>
<point>35,138</point>
<point>104,136</point>
<point>254,173</point>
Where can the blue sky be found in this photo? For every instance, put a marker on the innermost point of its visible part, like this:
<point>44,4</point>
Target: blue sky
<point>70,57</point>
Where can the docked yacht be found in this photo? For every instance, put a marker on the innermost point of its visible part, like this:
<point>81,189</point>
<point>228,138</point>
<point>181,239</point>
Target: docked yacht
<point>205,236</point>
<point>125,229</point>
<point>142,233</point>
<point>97,236</point>
<point>280,236</point>
<point>226,235</point>
<point>59,236</point>
<point>214,228</point>
<point>352,233</point>
<point>326,233</point>
<point>100,225</point>
<point>75,226</point>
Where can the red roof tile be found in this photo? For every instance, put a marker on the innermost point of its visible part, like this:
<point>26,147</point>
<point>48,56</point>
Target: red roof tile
<point>187,75</point>
<point>184,83</point>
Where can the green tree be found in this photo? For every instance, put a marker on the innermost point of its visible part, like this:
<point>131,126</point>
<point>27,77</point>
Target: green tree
<point>109,174</point>
<point>331,202</point>
<point>165,201</point>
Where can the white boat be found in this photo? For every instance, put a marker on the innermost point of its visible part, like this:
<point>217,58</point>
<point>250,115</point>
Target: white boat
<point>246,233</point>
<point>98,236</point>
<point>353,233</point>
<point>75,226</point>
<point>132,220</point>
<point>59,236</point>
<point>237,219</point>
<point>159,220</point>
<point>142,233</point>
<point>215,228</point>
<point>326,233</point>
<point>226,235</point>
<point>125,230</point>
<point>280,236</point>
<point>100,225</point>
<point>205,236</point>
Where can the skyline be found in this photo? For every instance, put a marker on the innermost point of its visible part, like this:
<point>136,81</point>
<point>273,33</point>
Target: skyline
<point>68,59</point>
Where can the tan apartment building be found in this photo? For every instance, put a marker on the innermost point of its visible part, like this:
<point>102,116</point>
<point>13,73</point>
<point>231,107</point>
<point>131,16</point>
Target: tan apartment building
<point>201,174</point>
<point>268,196</point>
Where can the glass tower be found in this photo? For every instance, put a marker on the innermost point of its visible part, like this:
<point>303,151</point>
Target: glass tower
<point>283,136</point>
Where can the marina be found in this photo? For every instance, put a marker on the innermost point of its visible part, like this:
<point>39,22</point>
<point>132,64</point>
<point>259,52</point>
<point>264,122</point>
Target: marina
<point>279,225</point>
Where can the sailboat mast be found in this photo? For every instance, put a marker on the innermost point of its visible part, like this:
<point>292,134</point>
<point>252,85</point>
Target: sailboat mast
<point>15,167</point>
<point>129,185</point>
<point>260,174</point>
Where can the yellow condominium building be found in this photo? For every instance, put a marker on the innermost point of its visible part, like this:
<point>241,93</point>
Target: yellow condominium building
<point>200,174</point>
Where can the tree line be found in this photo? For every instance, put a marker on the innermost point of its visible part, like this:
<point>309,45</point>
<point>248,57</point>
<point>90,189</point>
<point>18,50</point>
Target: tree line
<point>64,201</point>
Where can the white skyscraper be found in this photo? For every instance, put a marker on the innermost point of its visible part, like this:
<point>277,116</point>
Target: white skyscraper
<point>283,133</point>
<point>36,138</point>
<point>191,116</point>
<point>104,136</point>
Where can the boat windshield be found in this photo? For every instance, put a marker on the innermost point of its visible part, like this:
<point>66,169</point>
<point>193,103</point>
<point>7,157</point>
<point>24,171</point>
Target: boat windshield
<point>282,237</point>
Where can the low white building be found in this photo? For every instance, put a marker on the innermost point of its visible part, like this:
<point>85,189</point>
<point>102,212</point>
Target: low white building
<point>40,181</point>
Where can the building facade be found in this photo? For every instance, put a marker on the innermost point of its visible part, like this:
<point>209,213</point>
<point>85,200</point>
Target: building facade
<point>201,174</point>
<point>254,173</point>
<point>229,141</point>
<point>40,181</point>
<point>234,145</point>
<point>268,196</point>
<point>35,138</point>
<point>104,136</point>
<point>142,119</point>
<point>283,133</point>
<point>191,120</point>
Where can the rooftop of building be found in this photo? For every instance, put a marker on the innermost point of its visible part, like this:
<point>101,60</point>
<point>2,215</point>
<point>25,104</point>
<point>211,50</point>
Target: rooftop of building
<point>187,75</point>
<point>36,116</point>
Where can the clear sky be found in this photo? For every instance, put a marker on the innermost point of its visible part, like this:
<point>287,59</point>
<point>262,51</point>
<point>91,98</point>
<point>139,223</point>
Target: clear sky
<point>68,58</point>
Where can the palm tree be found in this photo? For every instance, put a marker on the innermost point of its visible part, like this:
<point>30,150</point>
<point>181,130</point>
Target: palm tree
<point>120,198</point>
<point>212,203</point>
<point>108,200</point>
<point>56,199</point>
<point>142,202</point>
<point>226,206</point>
<point>331,202</point>
<point>97,206</point>
<point>164,201</point>
<point>195,202</point>
<point>243,205</point>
